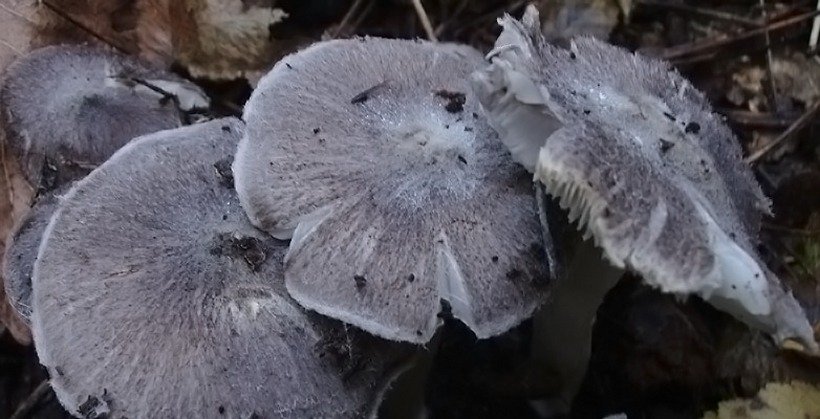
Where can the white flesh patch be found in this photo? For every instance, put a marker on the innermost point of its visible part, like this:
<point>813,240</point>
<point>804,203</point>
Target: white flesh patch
<point>517,110</point>
<point>738,281</point>
<point>188,98</point>
<point>450,282</point>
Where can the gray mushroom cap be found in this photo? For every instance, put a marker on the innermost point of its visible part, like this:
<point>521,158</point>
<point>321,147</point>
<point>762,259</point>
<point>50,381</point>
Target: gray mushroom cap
<point>21,251</point>
<point>153,296</point>
<point>66,109</point>
<point>369,152</point>
<point>641,160</point>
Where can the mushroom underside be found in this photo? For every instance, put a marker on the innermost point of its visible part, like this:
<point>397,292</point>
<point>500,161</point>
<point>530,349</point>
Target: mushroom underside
<point>644,166</point>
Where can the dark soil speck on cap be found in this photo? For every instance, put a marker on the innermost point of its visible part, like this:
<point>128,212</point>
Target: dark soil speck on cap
<point>365,95</point>
<point>455,100</point>
<point>692,128</point>
<point>249,249</point>
<point>361,281</point>
<point>225,173</point>
<point>513,274</point>
<point>666,145</point>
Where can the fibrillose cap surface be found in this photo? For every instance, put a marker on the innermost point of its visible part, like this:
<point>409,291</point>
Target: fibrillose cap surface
<point>640,159</point>
<point>371,155</point>
<point>153,296</point>
<point>66,109</point>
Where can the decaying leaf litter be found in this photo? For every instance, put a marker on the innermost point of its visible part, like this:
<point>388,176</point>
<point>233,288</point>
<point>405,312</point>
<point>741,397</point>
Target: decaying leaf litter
<point>749,57</point>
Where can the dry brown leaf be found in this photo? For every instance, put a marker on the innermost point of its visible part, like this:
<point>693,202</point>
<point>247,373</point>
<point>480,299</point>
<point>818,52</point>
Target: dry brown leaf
<point>224,39</point>
<point>217,39</point>
<point>565,19</point>
<point>15,197</point>
<point>141,28</point>
<point>154,34</point>
<point>796,400</point>
<point>796,77</point>
<point>16,24</point>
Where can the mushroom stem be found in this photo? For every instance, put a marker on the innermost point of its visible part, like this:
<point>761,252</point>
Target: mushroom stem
<point>562,328</point>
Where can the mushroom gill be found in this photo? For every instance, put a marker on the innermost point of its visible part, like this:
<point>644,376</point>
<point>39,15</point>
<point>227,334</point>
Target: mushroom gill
<point>643,164</point>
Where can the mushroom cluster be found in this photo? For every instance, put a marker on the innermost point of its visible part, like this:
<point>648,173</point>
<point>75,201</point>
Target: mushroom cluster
<point>148,291</point>
<point>279,267</point>
<point>643,164</point>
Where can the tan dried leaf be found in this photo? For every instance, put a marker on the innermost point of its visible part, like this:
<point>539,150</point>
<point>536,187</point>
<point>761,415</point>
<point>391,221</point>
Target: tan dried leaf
<point>15,197</point>
<point>16,24</point>
<point>565,19</point>
<point>140,27</point>
<point>796,400</point>
<point>224,39</point>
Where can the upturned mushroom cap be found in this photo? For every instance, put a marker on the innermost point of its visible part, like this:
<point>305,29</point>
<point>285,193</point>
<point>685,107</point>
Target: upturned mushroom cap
<point>641,160</point>
<point>66,109</point>
<point>153,296</point>
<point>21,252</point>
<point>370,153</point>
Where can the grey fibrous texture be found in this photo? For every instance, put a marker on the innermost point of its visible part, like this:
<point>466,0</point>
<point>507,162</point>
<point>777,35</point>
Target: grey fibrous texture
<point>66,109</point>
<point>643,163</point>
<point>371,154</point>
<point>21,251</point>
<point>153,296</point>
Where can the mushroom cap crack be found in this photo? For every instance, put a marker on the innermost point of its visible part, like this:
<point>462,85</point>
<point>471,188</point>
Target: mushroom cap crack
<point>369,153</point>
<point>639,158</point>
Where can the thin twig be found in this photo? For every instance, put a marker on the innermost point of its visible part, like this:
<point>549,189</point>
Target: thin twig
<point>362,15</point>
<point>759,119</point>
<point>769,85</point>
<point>346,19</point>
<point>798,125</point>
<point>709,13</point>
<point>25,408</point>
<point>442,26</point>
<point>791,231</point>
<point>815,30</point>
<point>11,47</point>
<point>16,13</point>
<point>425,20</point>
<point>713,43</point>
